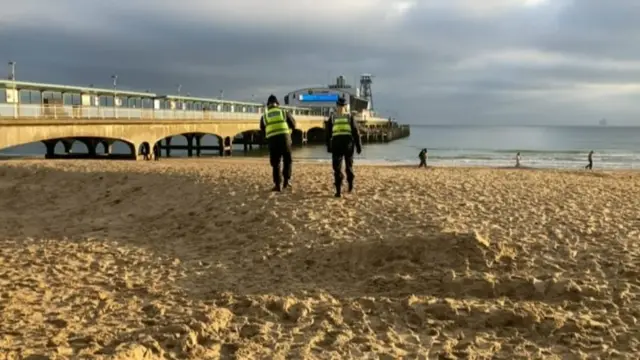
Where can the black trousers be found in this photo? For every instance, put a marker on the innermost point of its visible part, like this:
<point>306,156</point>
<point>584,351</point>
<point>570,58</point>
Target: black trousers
<point>342,148</point>
<point>590,165</point>
<point>423,162</point>
<point>280,150</point>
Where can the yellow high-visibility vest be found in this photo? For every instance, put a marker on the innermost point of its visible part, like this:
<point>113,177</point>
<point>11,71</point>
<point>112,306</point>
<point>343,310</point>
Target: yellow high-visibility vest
<point>275,121</point>
<point>341,126</point>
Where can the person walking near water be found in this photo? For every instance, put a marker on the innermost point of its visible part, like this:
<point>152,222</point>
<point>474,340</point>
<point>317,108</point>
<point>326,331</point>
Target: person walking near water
<point>423,158</point>
<point>276,126</point>
<point>590,164</point>
<point>342,139</point>
<point>518,159</point>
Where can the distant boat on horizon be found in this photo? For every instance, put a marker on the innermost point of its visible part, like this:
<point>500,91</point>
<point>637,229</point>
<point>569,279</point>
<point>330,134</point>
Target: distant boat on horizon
<point>603,122</point>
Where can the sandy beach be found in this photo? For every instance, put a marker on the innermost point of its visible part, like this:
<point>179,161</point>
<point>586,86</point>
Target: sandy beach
<point>196,259</point>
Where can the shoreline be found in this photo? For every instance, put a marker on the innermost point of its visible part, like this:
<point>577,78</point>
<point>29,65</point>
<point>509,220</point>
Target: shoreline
<point>323,162</point>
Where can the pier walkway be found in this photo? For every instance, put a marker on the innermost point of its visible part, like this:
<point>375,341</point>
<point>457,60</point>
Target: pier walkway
<point>144,120</point>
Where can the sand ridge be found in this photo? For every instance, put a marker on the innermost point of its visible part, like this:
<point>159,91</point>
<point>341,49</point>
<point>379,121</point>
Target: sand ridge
<point>196,259</point>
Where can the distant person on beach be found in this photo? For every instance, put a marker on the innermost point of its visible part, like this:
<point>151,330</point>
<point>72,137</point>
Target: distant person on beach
<point>518,159</point>
<point>156,151</point>
<point>590,164</point>
<point>342,138</point>
<point>144,151</point>
<point>276,126</point>
<point>423,158</point>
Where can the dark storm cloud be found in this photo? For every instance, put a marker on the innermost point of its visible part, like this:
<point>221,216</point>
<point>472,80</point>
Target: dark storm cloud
<point>445,65</point>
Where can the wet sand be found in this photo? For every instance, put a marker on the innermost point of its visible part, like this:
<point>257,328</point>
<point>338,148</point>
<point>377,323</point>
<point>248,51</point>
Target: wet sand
<point>196,259</point>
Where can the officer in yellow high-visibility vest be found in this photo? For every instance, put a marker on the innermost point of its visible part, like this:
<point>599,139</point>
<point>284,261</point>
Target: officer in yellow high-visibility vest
<point>342,139</point>
<point>276,125</point>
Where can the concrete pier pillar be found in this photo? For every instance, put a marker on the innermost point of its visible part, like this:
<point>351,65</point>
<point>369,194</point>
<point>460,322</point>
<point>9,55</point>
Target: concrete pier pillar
<point>225,146</point>
<point>68,144</point>
<point>92,145</point>
<point>167,143</point>
<point>107,145</point>
<point>198,144</point>
<point>305,140</point>
<point>51,148</point>
<point>189,145</point>
<point>228,146</point>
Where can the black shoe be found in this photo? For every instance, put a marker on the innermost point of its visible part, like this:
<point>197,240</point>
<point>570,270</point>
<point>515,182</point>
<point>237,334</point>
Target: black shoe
<point>337,195</point>
<point>276,188</point>
<point>350,187</point>
<point>287,184</point>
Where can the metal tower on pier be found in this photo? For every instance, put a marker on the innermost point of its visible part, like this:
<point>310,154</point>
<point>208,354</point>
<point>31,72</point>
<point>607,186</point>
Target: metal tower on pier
<point>365,89</point>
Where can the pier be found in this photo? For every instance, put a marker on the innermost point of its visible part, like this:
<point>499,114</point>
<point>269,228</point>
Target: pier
<point>144,121</point>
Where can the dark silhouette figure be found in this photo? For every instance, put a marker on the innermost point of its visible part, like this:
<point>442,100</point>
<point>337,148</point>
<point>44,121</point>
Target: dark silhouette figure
<point>156,151</point>
<point>423,158</point>
<point>276,126</point>
<point>590,164</point>
<point>144,151</point>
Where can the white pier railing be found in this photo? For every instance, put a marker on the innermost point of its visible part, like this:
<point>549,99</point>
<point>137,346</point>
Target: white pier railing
<point>31,111</point>
<point>65,112</point>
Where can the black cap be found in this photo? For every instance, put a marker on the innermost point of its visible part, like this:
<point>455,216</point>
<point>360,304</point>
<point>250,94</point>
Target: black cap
<point>272,100</point>
<point>341,101</point>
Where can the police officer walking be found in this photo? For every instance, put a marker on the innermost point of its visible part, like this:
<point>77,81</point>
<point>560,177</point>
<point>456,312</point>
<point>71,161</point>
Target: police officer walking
<point>342,139</point>
<point>276,125</point>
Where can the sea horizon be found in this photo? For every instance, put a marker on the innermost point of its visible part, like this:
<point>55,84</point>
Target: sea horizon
<point>540,146</point>
<point>526,125</point>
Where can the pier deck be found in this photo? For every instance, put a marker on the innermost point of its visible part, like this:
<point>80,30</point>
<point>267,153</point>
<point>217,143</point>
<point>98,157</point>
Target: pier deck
<point>143,120</point>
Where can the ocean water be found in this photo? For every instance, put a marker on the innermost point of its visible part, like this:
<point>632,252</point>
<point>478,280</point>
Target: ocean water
<point>539,146</point>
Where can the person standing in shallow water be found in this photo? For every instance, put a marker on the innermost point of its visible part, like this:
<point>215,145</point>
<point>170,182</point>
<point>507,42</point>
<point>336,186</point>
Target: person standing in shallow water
<point>276,126</point>
<point>590,164</point>
<point>342,138</point>
<point>423,158</point>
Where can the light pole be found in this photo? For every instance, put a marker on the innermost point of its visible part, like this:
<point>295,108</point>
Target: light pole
<point>115,95</point>
<point>221,94</point>
<point>179,102</point>
<point>12,74</point>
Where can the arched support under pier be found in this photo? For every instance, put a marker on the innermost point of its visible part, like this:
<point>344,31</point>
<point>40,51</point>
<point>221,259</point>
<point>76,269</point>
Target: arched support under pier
<point>91,144</point>
<point>50,145</point>
<point>68,145</point>
<point>107,145</point>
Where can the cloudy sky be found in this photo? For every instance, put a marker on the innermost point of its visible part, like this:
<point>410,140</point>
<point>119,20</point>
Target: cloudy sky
<point>434,61</point>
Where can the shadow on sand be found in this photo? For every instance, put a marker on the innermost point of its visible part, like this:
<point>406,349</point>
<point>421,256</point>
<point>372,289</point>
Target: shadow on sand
<point>236,248</point>
<point>237,251</point>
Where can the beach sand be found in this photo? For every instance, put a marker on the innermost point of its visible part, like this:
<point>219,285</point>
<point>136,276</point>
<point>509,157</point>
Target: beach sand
<point>196,259</point>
